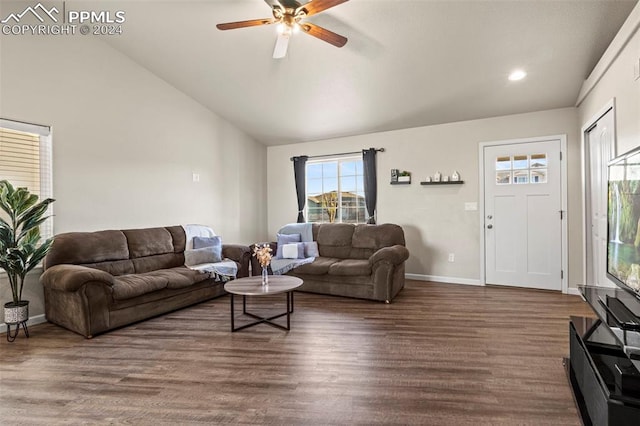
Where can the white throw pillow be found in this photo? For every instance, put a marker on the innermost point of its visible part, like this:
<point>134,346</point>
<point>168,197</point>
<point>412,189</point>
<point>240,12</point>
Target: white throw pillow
<point>290,251</point>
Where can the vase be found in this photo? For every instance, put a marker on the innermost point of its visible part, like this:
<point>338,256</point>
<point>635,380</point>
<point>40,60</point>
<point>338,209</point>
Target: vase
<point>265,275</point>
<point>16,314</point>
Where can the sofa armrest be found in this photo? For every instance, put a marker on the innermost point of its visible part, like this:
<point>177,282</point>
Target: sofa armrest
<point>394,255</point>
<point>66,277</point>
<point>235,252</point>
<point>239,254</point>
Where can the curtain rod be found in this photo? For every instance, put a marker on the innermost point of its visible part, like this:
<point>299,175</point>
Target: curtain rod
<point>335,155</point>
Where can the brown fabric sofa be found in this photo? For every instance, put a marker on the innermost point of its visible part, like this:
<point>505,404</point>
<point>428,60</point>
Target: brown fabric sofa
<point>98,281</point>
<point>361,261</point>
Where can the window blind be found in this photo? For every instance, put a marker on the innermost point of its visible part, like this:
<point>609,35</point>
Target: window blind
<point>20,159</point>
<point>25,161</point>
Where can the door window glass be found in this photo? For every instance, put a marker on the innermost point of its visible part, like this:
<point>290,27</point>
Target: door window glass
<point>521,169</point>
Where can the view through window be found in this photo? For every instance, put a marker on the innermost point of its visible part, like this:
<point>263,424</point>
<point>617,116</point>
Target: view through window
<point>335,191</point>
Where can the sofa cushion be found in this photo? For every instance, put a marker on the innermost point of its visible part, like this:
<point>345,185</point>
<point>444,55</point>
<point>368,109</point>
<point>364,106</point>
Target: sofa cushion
<point>367,239</point>
<point>116,267</point>
<point>377,236</point>
<point>129,286</point>
<point>319,266</point>
<point>183,277</point>
<point>87,247</point>
<point>334,240</point>
<point>179,238</point>
<point>351,267</point>
<point>149,241</point>
<point>159,261</point>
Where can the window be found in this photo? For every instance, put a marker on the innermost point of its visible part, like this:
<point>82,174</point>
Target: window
<point>521,169</point>
<point>25,160</point>
<point>335,191</point>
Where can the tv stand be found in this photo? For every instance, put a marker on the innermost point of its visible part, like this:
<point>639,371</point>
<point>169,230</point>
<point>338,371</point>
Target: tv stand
<point>604,362</point>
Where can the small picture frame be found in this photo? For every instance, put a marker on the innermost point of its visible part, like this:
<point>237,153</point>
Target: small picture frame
<point>436,177</point>
<point>394,175</point>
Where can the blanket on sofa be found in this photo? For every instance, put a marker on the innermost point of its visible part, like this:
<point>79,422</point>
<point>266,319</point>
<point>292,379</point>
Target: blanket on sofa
<point>219,271</point>
<point>282,266</point>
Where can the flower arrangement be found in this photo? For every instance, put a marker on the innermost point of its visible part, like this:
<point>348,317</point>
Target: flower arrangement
<point>262,251</point>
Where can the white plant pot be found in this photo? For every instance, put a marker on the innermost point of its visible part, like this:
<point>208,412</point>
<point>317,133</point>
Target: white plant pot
<point>16,313</point>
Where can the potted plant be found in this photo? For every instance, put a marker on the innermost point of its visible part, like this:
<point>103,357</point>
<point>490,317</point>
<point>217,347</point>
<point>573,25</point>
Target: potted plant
<point>20,250</point>
<point>405,176</point>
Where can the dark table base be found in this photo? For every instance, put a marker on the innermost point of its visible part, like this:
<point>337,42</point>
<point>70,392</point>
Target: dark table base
<point>262,320</point>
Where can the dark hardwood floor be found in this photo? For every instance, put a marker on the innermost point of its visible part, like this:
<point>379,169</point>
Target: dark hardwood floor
<point>441,354</point>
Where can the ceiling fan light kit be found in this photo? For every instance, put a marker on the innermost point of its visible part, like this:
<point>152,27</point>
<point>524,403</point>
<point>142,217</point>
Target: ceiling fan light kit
<point>290,15</point>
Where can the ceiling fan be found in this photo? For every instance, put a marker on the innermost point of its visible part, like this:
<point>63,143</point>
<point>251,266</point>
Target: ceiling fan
<point>290,16</point>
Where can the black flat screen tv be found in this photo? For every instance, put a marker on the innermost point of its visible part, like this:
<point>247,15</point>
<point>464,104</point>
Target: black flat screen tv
<point>623,220</point>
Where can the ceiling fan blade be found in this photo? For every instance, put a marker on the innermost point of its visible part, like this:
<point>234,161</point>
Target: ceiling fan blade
<point>282,43</point>
<point>317,6</point>
<point>323,34</point>
<point>244,24</point>
<point>283,4</point>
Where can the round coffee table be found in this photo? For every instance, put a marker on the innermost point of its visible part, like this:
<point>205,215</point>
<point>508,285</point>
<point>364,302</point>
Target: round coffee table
<point>252,286</point>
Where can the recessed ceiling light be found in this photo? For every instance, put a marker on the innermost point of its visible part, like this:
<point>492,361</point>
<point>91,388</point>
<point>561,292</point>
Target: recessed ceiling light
<point>517,75</point>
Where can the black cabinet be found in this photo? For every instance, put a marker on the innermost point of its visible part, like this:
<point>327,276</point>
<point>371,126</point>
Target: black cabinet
<point>604,363</point>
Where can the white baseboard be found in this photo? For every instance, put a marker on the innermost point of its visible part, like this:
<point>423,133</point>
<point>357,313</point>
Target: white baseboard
<point>38,319</point>
<point>573,291</point>
<point>438,279</point>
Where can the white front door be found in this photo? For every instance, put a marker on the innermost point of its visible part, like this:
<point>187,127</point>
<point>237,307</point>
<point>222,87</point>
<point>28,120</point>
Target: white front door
<point>522,214</point>
<point>599,149</point>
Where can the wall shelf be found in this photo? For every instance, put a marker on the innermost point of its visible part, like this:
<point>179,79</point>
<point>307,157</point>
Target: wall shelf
<point>457,182</point>
<point>400,183</point>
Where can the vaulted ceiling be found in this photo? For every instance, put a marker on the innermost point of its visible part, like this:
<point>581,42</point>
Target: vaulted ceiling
<point>406,64</point>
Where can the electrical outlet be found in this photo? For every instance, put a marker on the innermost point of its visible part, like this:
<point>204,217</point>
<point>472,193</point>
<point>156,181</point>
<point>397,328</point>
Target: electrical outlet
<point>452,257</point>
<point>196,177</point>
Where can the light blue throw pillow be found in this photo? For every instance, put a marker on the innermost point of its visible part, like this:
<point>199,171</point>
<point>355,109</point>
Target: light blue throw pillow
<point>210,242</point>
<point>311,249</point>
<point>285,239</point>
<point>202,255</point>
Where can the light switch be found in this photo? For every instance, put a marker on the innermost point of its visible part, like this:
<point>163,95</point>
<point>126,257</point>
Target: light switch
<point>636,69</point>
<point>472,206</point>
<point>196,177</point>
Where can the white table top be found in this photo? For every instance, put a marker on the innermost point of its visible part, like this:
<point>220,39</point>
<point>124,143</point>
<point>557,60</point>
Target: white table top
<point>252,286</point>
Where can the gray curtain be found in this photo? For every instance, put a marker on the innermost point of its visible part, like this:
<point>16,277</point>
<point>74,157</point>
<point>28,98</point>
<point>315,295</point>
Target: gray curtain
<point>370,183</point>
<point>299,172</point>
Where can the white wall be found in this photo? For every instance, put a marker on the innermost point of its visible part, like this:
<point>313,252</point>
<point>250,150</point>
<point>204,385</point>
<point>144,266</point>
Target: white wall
<point>618,82</point>
<point>434,218</point>
<point>125,144</point>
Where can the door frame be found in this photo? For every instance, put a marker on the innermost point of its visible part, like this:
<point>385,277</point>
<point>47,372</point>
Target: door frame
<point>610,105</point>
<point>563,198</point>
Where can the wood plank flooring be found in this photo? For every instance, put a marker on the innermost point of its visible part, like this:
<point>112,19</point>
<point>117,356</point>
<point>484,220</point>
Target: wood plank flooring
<point>441,354</point>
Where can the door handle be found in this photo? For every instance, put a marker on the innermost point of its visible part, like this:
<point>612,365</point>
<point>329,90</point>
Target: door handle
<point>489,226</point>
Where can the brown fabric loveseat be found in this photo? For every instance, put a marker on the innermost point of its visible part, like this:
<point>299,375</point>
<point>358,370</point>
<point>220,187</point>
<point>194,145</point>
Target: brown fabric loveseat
<point>361,261</point>
<point>98,281</point>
